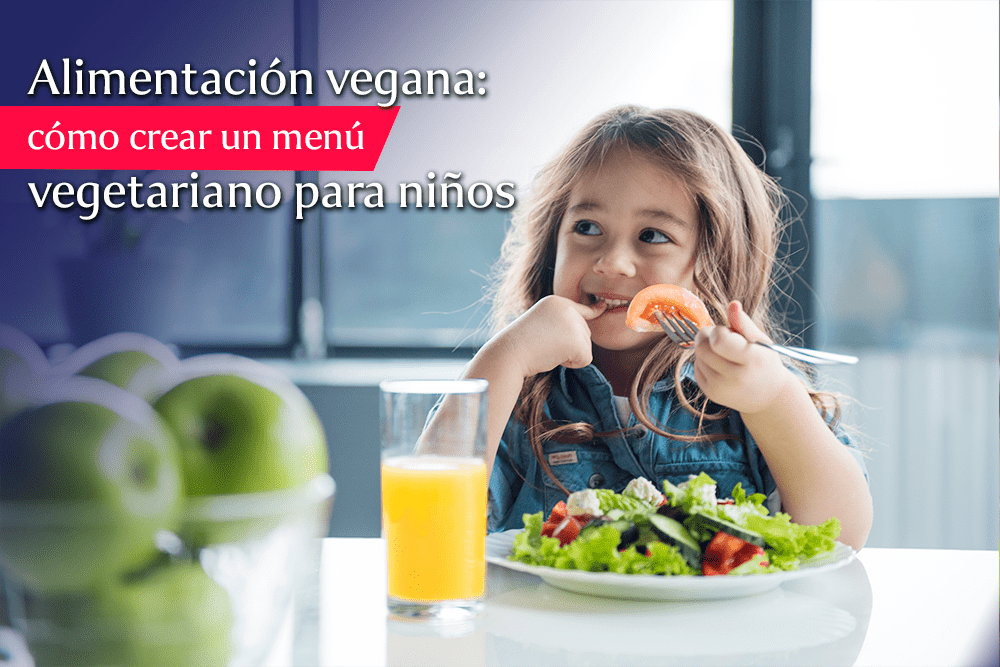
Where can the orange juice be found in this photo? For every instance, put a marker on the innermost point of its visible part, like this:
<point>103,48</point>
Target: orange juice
<point>434,522</point>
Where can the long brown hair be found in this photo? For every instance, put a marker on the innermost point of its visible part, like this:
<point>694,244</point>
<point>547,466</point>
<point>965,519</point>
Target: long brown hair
<point>741,212</point>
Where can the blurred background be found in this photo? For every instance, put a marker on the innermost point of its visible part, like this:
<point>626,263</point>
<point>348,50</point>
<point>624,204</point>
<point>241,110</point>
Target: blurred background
<point>881,118</point>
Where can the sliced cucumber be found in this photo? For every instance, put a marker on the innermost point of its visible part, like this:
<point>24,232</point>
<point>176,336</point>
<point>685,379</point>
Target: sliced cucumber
<point>672,532</point>
<point>614,514</point>
<point>668,510</point>
<point>717,524</point>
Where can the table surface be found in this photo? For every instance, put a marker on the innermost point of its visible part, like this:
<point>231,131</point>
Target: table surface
<point>910,607</point>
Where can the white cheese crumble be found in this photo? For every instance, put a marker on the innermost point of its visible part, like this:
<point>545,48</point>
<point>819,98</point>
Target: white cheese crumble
<point>736,513</point>
<point>706,495</point>
<point>702,495</point>
<point>583,502</point>
<point>643,489</point>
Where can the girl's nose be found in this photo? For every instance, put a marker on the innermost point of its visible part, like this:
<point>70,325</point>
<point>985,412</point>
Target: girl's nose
<point>616,261</point>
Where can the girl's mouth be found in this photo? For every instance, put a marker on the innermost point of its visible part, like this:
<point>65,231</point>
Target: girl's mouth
<point>612,303</point>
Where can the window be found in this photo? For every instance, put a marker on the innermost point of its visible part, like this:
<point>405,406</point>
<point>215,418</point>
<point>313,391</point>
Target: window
<point>225,274</point>
<point>905,176</point>
<point>388,279</point>
<point>905,171</point>
<point>188,276</point>
<point>416,277</point>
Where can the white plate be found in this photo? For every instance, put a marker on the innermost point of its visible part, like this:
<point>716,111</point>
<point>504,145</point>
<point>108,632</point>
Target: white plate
<point>656,587</point>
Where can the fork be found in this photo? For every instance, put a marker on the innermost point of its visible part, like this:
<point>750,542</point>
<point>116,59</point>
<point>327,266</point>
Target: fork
<point>682,331</point>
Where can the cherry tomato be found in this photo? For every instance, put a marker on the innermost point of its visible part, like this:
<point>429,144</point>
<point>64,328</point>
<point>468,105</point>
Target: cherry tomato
<point>558,512</point>
<point>726,552</point>
<point>567,531</point>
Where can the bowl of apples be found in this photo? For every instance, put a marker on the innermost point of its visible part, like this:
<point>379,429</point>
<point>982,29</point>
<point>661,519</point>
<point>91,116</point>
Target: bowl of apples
<point>157,511</point>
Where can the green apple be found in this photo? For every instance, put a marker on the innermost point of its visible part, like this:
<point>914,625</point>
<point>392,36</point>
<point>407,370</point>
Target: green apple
<point>177,615</point>
<point>88,479</point>
<point>242,428</point>
<point>23,367</point>
<point>131,361</point>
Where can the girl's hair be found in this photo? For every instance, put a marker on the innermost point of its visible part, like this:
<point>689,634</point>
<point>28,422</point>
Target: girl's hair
<point>740,212</point>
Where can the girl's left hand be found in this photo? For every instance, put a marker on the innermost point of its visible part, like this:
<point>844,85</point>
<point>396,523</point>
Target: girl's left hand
<point>734,372</point>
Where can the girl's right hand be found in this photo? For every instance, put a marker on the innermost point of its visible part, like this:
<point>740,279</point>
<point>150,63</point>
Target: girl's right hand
<point>553,332</point>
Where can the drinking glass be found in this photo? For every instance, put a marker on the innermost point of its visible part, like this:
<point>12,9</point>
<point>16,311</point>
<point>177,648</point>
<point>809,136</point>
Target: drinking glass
<point>434,483</point>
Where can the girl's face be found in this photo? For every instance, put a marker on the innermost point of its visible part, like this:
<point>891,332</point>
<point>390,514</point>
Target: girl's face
<point>629,224</point>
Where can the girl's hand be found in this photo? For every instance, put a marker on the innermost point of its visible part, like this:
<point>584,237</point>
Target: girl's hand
<point>551,333</point>
<point>734,372</point>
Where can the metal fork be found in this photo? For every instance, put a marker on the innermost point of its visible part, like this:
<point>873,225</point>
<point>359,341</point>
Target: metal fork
<point>682,331</point>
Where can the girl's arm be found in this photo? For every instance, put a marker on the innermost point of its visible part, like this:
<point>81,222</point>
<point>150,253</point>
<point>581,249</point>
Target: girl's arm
<point>551,333</point>
<point>816,475</point>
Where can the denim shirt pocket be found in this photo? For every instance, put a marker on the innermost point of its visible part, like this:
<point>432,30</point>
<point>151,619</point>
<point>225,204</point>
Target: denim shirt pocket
<point>581,467</point>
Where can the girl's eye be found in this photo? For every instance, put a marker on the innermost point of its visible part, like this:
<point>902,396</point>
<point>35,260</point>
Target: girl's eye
<point>653,236</point>
<point>587,228</point>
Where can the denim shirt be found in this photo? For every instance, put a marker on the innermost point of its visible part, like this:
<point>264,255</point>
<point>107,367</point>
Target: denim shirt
<point>519,485</point>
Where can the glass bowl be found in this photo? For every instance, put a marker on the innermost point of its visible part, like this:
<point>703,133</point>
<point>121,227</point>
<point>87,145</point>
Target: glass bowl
<point>235,586</point>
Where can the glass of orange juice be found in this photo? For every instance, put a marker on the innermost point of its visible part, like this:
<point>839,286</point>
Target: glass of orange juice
<point>434,482</point>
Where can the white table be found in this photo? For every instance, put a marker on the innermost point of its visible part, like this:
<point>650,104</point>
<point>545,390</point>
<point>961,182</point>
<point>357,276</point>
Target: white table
<point>889,607</point>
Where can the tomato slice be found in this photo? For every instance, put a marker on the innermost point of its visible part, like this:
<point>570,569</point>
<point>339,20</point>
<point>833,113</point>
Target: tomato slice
<point>558,512</point>
<point>567,531</point>
<point>669,300</point>
<point>726,552</point>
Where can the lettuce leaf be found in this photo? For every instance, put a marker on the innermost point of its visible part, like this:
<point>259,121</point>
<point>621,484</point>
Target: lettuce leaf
<point>531,547</point>
<point>790,543</point>
<point>629,507</point>
<point>753,502</point>
<point>595,550</point>
<point>660,558</point>
<point>753,566</point>
<point>696,494</point>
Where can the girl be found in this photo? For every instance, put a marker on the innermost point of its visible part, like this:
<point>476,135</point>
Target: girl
<point>578,400</point>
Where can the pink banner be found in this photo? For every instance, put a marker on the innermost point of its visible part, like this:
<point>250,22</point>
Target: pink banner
<point>283,138</point>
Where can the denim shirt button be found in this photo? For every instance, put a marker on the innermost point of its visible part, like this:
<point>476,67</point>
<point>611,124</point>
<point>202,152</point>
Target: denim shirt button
<point>640,432</point>
<point>596,481</point>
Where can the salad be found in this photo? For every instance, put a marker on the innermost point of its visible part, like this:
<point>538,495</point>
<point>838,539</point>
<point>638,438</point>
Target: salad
<point>685,530</point>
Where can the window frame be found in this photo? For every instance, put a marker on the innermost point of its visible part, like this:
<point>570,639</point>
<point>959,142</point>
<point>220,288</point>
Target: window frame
<point>771,81</point>
<point>772,105</point>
